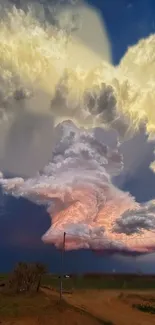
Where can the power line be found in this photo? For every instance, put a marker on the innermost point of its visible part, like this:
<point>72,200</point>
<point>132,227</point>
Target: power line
<point>63,250</point>
<point>62,265</point>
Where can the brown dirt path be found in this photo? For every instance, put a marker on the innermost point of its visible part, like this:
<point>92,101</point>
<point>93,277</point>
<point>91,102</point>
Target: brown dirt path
<point>107,305</point>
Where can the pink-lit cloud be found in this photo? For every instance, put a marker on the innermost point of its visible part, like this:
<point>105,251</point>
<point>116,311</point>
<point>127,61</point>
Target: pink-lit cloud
<point>76,187</point>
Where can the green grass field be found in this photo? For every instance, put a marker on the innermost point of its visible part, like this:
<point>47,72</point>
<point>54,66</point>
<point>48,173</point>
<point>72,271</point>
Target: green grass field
<point>100,283</point>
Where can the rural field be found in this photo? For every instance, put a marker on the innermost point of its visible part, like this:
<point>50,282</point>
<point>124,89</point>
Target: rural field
<point>90,300</point>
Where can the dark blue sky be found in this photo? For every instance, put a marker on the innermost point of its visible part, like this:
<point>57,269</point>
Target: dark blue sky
<point>127,21</point>
<point>22,223</point>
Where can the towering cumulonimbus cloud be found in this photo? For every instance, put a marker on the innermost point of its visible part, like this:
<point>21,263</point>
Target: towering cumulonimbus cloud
<point>52,80</point>
<point>62,76</point>
<point>70,78</point>
<point>77,189</point>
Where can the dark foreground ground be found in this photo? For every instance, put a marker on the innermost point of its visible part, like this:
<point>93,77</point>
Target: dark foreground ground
<point>43,309</point>
<point>86,307</point>
<point>87,301</point>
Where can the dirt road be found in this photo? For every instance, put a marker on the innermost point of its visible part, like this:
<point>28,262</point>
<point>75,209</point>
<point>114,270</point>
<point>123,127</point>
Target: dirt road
<point>107,305</point>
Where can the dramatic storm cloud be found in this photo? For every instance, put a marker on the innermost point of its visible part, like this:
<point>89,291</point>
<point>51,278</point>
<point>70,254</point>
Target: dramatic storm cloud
<point>66,73</point>
<point>55,88</point>
<point>134,222</point>
<point>77,189</point>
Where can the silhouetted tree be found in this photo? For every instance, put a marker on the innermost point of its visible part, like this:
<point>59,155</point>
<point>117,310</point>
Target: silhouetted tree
<point>27,277</point>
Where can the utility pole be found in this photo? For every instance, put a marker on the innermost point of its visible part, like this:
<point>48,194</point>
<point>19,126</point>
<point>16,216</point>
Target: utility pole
<point>62,264</point>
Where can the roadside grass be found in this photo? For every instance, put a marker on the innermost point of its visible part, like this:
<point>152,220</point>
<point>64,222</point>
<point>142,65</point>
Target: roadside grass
<point>145,307</point>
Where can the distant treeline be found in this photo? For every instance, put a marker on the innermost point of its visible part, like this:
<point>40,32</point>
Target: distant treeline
<point>109,275</point>
<point>119,275</point>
